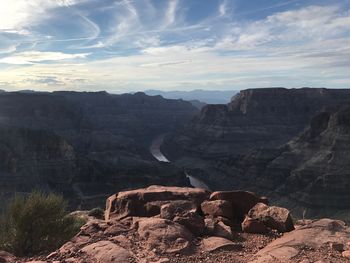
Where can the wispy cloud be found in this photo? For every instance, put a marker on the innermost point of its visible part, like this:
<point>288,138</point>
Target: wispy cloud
<point>172,44</point>
<point>32,57</point>
<point>9,49</point>
<point>223,8</point>
<point>170,15</point>
<point>18,15</point>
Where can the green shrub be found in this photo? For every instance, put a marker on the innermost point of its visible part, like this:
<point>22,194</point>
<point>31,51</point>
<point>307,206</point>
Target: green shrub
<point>97,212</point>
<point>36,224</point>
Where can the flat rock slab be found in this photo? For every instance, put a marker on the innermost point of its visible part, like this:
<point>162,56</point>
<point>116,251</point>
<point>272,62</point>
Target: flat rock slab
<point>136,202</point>
<point>107,252</point>
<point>211,244</point>
<point>284,254</point>
<point>314,235</point>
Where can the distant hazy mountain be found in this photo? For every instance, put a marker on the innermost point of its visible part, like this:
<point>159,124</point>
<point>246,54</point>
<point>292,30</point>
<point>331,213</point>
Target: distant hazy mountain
<point>207,96</point>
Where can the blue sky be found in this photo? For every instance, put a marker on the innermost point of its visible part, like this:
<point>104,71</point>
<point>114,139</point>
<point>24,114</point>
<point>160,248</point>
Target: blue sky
<point>129,45</point>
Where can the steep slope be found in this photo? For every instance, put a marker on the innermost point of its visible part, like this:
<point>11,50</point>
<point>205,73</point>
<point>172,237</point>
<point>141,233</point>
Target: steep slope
<point>32,159</point>
<point>254,118</point>
<point>310,172</point>
<point>138,116</point>
<point>258,142</point>
<point>105,136</point>
<point>39,111</point>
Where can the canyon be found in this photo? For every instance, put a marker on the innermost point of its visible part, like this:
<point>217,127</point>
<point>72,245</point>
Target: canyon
<point>289,144</point>
<point>84,145</point>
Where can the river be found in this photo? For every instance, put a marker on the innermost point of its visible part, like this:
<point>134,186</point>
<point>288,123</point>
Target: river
<point>157,154</point>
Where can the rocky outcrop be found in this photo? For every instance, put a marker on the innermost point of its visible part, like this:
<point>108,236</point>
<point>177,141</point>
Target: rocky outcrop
<point>140,239</point>
<point>195,210</point>
<point>278,218</point>
<point>241,201</point>
<point>315,237</point>
<point>138,202</point>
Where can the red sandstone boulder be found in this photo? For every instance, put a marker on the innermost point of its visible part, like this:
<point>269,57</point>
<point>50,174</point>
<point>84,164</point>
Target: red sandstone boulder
<point>218,208</point>
<point>115,229</point>
<point>242,201</point>
<point>315,236</point>
<point>164,235</point>
<point>211,244</point>
<point>143,202</point>
<point>250,225</point>
<point>107,252</point>
<point>177,208</point>
<point>193,222</point>
<point>73,245</point>
<point>274,217</point>
<point>94,228</point>
<point>217,228</point>
<point>184,213</point>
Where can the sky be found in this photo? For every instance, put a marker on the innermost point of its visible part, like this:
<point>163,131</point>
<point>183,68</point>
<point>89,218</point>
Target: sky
<point>130,45</point>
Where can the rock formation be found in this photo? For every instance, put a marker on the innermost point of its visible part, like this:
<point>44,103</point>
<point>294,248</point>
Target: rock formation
<point>254,118</point>
<point>132,235</point>
<point>289,144</point>
<point>310,172</point>
<point>84,145</point>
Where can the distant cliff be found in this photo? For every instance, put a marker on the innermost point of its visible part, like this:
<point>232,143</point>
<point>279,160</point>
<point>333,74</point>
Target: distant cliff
<point>85,145</point>
<point>311,171</point>
<point>254,118</point>
<point>291,144</point>
<point>206,96</point>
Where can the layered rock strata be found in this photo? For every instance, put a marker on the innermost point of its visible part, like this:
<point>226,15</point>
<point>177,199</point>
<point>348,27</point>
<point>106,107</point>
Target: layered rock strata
<point>84,145</point>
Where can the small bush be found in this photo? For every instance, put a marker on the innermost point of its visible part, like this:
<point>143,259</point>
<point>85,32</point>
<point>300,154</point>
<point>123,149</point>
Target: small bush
<point>36,224</point>
<point>97,212</point>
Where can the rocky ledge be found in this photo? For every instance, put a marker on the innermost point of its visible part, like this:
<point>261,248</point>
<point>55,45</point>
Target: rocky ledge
<point>173,224</point>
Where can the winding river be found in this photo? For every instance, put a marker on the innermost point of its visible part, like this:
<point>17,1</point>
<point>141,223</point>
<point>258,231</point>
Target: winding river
<point>156,152</point>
